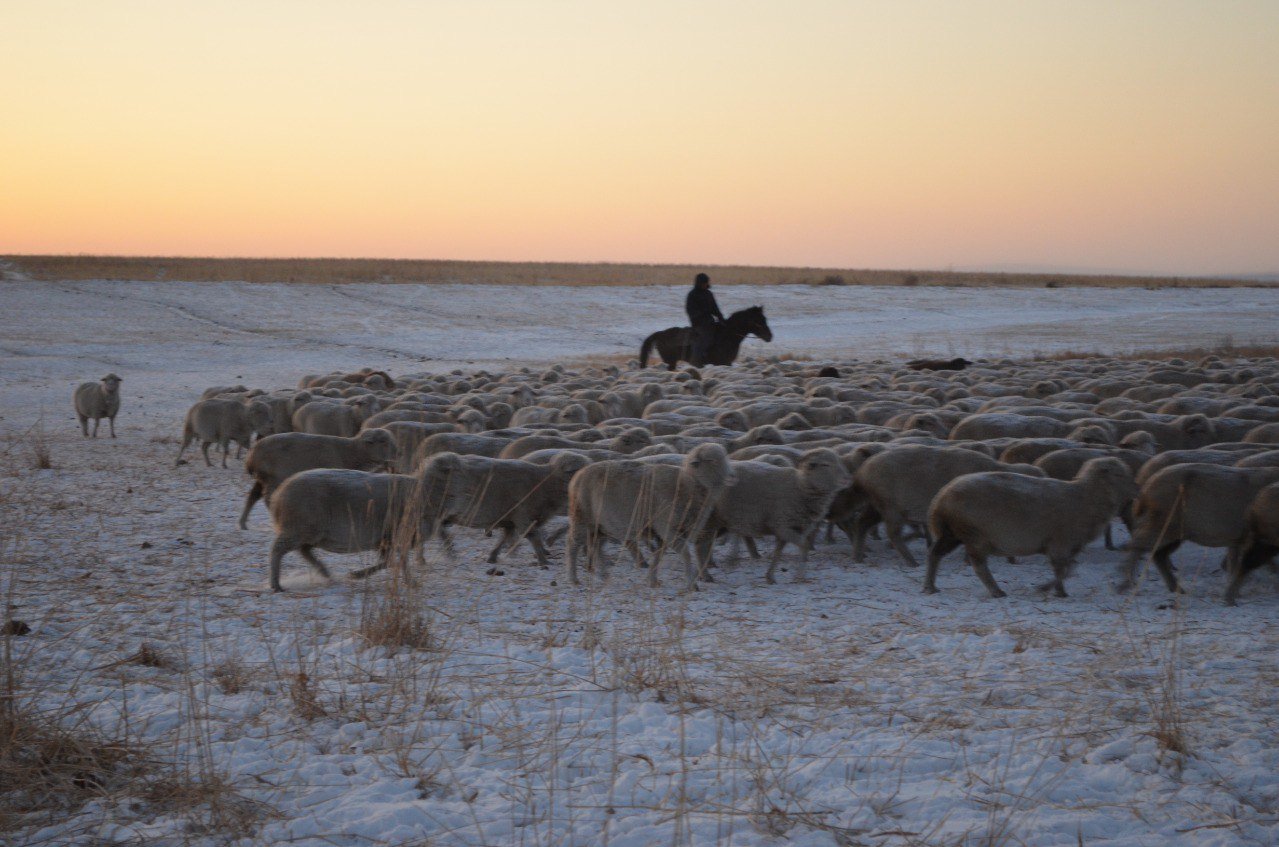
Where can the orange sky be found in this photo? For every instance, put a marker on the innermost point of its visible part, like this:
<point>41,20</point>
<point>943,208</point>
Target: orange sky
<point>1135,136</point>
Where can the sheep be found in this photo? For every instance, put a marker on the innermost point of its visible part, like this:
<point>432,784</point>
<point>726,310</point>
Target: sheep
<point>1013,515</point>
<point>271,414</point>
<point>1065,463</point>
<point>981,427</point>
<point>517,496</point>
<point>526,444</point>
<point>899,484</point>
<point>784,502</point>
<point>466,443</point>
<point>409,436</point>
<point>389,415</point>
<point>98,400</point>
<point>1206,456</point>
<point>1260,541</point>
<point>1202,503</point>
<point>277,457</point>
<point>219,421</point>
<point>219,390</point>
<point>630,501</point>
<point>1027,450</point>
<point>345,511</point>
<point>1264,459</point>
<point>1183,433</point>
<point>328,418</point>
<point>1264,434</point>
<point>542,457</point>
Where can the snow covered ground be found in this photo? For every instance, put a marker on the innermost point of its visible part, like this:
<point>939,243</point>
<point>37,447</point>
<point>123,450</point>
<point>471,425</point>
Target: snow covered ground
<point>851,710</point>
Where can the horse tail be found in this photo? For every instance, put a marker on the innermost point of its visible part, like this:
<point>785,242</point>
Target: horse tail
<point>645,348</point>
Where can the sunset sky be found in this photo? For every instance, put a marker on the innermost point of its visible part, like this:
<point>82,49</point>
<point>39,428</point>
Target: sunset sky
<point>1130,136</point>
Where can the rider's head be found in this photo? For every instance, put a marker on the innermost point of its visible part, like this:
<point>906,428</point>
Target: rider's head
<point>702,281</point>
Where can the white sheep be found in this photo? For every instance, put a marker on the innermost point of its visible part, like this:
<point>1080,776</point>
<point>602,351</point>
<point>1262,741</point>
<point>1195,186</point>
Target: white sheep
<point>277,457</point>
<point>330,418</point>
<point>1202,503</point>
<point>409,436</point>
<point>1010,514</point>
<point>346,511</point>
<point>898,485</point>
<point>515,496</point>
<point>784,502</point>
<point>98,400</point>
<point>216,421</point>
<point>1260,541</point>
<point>630,501</point>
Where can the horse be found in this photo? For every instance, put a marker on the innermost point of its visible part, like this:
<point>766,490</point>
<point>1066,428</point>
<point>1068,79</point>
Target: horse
<point>674,344</point>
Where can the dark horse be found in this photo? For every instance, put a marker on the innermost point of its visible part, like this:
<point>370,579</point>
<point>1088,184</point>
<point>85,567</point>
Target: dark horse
<point>674,344</point>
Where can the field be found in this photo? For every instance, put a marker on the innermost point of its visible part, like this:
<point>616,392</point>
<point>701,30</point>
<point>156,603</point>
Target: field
<point>436,272</point>
<point>163,696</point>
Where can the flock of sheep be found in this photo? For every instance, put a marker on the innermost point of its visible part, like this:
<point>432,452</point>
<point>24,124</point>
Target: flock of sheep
<point>1004,458</point>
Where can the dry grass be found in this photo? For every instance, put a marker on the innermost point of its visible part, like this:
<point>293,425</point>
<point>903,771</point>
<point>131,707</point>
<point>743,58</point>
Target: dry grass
<point>49,769</point>
<point>1226,349</point>
<point>423,271</point>
<point>41,455</point>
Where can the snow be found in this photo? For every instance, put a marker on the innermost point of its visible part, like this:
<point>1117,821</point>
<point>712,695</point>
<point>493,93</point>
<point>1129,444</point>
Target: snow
<point>848,710</point>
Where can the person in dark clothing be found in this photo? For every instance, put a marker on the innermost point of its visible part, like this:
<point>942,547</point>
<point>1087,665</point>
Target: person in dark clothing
<point>704,316</point>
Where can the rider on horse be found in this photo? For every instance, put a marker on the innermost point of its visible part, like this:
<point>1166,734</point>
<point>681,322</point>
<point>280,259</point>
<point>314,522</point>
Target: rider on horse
<point>704,316</point>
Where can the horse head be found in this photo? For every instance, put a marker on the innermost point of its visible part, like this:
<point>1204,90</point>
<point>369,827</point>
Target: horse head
<point>751,322</point>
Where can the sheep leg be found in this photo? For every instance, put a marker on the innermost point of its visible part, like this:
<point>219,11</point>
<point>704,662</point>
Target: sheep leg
<point>944,544</point>
<point>772,565</point>
<point>599,559</point>
<point>750,546</point>
<point>225,445</point>
<point>556,535</point>
<point>574,543</point>
<point>1164,564</point>
<point>978,561</point>
<point>370,570</point>
<point>657,561</point>
<point>111,421</point>
<point>1061,569</point>
<point>306,551</point>
<point>1109,538</point>
<point>862,524</point>
<point>279,547</point>
<point>84,425</point>
<point>690,569</point>
<point>1252,556</point>
<point>446,540</point>
<point>539,549</point>
<point>204,448</point>
<point>637,554</point>
<point>705,547</point>
<point>96,423</point>
<point>1128,570</point>
<point>801,572</point>
<point>893,529</point>
<point>254,495</point>
<point>187,437</point>
<point>849,528</point>
<point>507,534</point>
<point>734,552</point>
